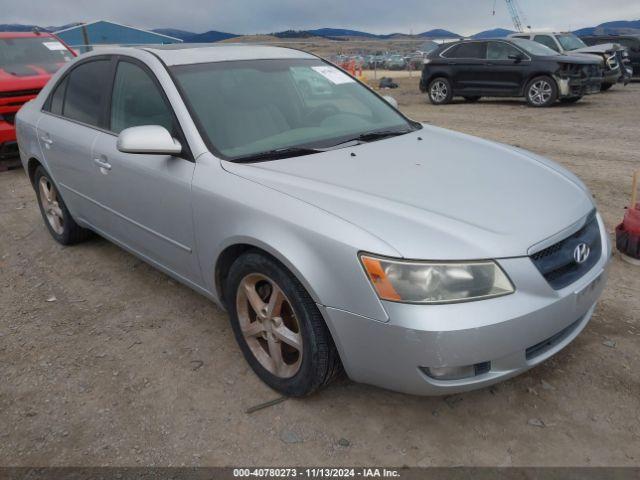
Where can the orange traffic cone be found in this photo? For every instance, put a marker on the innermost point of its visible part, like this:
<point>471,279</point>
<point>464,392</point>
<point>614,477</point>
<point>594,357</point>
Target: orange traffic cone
<point>628,232</point>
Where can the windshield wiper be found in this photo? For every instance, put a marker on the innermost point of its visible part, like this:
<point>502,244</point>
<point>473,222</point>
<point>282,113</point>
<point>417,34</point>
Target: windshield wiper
<point>277,154</point>
<point>373,136</point>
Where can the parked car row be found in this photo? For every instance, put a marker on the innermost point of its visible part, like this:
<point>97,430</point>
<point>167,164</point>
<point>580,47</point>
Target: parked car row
<point>541,67</point>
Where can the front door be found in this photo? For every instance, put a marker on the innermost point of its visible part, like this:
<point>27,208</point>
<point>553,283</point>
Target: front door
<point>148,197</point>
<point>506,69</point>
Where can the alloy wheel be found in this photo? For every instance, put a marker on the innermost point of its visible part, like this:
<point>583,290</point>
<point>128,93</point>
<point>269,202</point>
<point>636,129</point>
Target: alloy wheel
<point>269,325</point>
<point>51,205</point>
<point>540,92</point>
<point>439,91</point>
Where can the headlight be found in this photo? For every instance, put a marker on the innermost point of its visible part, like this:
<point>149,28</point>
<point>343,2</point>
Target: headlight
<point>435,282</point>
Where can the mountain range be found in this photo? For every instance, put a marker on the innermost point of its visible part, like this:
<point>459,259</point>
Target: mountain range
<point>619,27</point>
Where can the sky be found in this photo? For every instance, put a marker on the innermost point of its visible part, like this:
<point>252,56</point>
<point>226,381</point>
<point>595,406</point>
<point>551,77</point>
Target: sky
<point>264,16</point>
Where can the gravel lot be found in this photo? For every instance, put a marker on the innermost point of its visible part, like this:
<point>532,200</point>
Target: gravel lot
<point>106,361</point>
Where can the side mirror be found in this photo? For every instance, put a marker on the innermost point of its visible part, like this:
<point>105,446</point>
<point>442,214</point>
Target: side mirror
<point>392,101</point>
<point>516,58</point>
<point>150,139</point>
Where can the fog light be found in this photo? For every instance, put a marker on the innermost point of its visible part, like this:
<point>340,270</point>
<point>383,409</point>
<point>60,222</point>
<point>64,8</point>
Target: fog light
<point>457,373</point>
<point>451,373</point>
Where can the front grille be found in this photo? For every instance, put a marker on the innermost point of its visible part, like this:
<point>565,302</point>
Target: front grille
<point>545,345</point>
<point>590,71</point>
<point>557,264</point>
<point>9,118</point>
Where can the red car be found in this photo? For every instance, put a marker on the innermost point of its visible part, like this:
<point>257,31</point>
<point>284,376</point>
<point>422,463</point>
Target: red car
<point>27,62</point>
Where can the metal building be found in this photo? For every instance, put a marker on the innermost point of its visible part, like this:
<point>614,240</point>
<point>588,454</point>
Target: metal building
<point>87,36</point>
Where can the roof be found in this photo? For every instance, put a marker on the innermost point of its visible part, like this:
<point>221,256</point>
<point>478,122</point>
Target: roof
<point>185,54</point>
<point>88,24</point>
<point>24,35</point>
<point>539,32</point>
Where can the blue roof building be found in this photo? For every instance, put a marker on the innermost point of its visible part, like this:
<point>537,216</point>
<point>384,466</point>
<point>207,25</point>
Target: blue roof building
<point>84,36</point>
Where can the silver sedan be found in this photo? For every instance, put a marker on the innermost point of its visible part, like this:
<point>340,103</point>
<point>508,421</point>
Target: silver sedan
<point>337,233</point>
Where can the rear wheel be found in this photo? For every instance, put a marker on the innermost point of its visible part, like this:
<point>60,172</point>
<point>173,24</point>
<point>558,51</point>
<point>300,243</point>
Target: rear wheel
<point>278,326</point>
<point>605,86</point>
<point>542,92</point>
<point>440,91</point>
<point>472,99</point>
<point>55,214</point>
<point>570,99</point>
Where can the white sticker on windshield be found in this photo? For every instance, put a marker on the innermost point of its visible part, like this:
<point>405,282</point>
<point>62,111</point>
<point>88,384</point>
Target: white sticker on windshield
<point>334,75</point>
<point>54,45</point>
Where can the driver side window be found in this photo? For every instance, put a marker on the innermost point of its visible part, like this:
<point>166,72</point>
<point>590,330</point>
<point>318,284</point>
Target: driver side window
<point>547,41</point>
<point>136,100</point>
<point>502,51</point>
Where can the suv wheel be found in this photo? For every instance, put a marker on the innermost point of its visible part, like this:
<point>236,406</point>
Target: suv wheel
<point>440,91</point>
<point>542,92</point>
<point>54,212</point>
<point>278,326</point>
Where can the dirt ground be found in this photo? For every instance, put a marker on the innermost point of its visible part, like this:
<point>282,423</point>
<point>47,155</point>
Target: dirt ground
<point>106,361</point>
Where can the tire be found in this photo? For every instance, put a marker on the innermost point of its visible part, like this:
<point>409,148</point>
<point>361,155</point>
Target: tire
<point>295,334</point>
<point>541,92</point>
<point>440,91</point>
<point>55,214</point>
<point>605,86</point>
<point>569,100</point>
<point>472,99</point>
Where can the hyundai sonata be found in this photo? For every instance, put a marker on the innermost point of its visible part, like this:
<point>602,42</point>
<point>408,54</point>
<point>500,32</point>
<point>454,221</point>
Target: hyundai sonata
<point>335,231</point>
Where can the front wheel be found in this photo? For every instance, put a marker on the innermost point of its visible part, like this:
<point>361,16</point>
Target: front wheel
<point>278,326</point>
<point>440,91</point>
<point>55,214</point>
<point>542,92</point>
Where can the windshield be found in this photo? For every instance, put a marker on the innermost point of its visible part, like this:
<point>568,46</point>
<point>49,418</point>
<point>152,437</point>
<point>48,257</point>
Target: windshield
<point>534,48</point>
<point>244,108</point>
<point>570,42</point>
<point>26,56</point>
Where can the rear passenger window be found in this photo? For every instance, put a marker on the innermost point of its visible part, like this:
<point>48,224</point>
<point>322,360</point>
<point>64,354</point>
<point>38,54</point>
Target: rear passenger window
<point>547,41</point>
<point>468,50</point>
<point>137,101</point>
<point>57,98</point>
<point>86,84</point>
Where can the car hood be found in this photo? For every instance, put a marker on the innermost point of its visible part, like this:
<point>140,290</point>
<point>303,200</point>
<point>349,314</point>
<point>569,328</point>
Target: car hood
<point>24,77</point>
<point>434,193</point>
<point>602,48</point>
<point>579,58</point>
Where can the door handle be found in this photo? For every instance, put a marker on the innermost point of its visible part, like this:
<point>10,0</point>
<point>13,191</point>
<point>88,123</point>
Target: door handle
<point>46,139</point>
<point>102,163</point>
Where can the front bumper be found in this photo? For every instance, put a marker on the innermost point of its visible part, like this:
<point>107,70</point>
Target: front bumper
<point>513,333</point>
<point>578,87</point>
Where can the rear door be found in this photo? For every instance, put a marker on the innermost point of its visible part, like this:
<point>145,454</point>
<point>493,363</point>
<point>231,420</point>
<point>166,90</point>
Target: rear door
<point>68,128</point>
<point>504,74</point>
<point>466,61</point>
<point>147,197</point>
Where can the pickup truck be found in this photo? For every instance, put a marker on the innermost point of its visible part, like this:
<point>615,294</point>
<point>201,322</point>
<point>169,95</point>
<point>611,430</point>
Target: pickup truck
<point>27,62</point>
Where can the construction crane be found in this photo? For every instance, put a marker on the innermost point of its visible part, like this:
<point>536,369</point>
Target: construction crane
<point>516,14</point>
